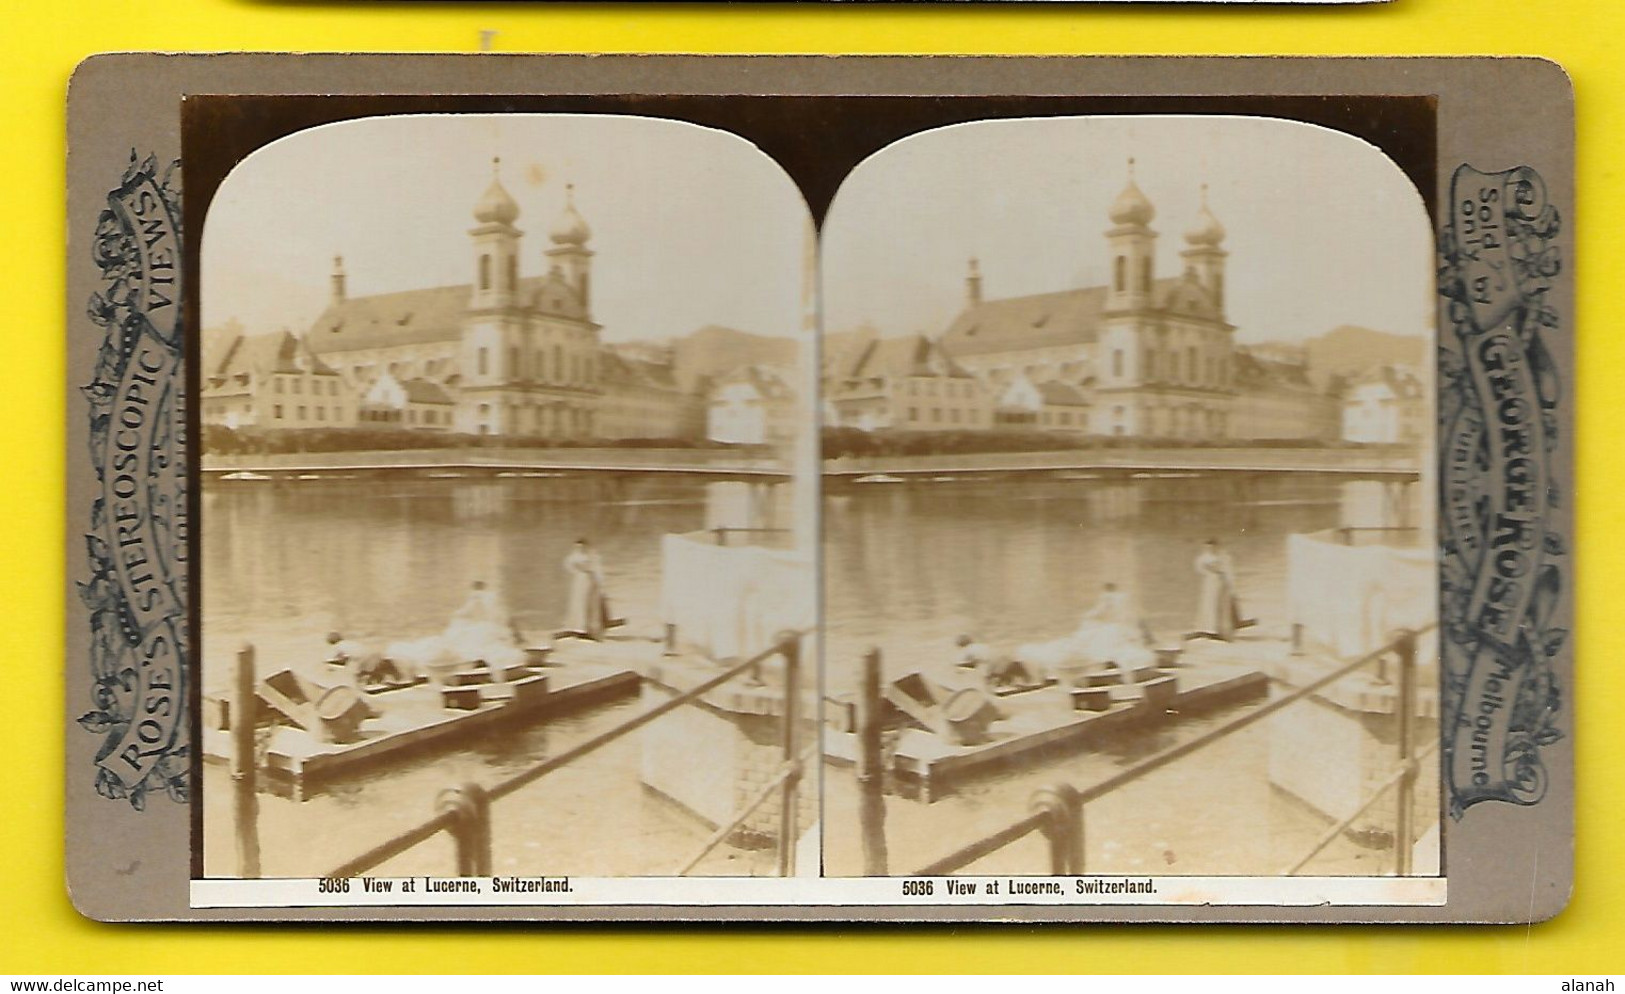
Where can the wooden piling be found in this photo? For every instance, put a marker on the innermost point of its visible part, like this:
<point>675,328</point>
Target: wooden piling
<point>245,765</point>
<point>1405,796</point>
<point>788,794</point>
<point>871,768</point>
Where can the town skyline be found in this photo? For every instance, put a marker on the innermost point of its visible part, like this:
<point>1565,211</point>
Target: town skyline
<point>702,227</point>
<point>1028,200</point>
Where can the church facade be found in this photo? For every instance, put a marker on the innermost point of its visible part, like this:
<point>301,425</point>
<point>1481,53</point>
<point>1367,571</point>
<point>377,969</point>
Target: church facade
<point>1145,355</point>
<point>509,353</point>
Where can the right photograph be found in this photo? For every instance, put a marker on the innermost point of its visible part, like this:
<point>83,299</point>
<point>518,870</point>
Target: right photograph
<point>1129,496</point>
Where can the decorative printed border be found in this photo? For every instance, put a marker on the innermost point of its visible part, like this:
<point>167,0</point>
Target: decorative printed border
<point>137,591</point>
<point>1501,577</point>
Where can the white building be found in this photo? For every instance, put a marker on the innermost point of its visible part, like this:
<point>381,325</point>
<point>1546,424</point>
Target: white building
<point>1384,405</point>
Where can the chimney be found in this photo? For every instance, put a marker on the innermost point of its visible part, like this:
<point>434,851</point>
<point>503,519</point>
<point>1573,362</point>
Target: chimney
<point>973,284</point>
<point>338,279</point>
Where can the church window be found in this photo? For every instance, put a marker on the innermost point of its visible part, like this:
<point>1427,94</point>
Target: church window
<point>485,359</point>
<point>1145,273</point>
<point>513,362</point>
<point>276,412</point>
<point>513,273</point>
<point>558,363</point>
<point>277,383</point>
<point>1190,364</point>
<point>1117,362</point>
<point>301,412</point>
<point>321,412</point>
<point>1119,273</point>
<point>485,272</point>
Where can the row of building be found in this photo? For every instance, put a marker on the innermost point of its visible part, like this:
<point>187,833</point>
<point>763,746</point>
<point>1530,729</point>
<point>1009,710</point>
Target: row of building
<point>519,355</point>
<point>1143,356</point>
<point>508,354</point>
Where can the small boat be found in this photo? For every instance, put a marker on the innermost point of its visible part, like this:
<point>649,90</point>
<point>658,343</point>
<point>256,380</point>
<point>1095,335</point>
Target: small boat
<point>307,476</point>
<point>245,475</point>
<point>878,478</point>
<point>445,476</point>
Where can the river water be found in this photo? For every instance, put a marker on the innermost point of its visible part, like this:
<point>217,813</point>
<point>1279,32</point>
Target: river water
<point>391,557</point>
<point>908,566</point>
<point>911,565</point>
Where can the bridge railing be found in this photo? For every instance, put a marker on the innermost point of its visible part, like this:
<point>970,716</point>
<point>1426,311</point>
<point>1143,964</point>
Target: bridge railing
<point>464,811</point>
<point>1057,812</point>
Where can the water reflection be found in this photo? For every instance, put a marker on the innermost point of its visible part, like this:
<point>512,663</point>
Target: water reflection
<point>910,565</point>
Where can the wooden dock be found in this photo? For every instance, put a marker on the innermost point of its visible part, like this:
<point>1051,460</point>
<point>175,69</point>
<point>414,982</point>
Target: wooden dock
<point>579,675</point>
<point>1045,720</point>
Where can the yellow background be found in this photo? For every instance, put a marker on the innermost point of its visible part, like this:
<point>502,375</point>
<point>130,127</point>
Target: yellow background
<point>43,39</point>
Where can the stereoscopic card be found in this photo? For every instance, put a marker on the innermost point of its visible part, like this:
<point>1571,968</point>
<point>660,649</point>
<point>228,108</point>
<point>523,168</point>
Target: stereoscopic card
<point>863,489</point>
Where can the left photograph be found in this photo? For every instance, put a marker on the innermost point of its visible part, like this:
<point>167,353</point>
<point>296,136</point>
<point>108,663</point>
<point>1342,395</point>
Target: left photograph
<point>508,518</point>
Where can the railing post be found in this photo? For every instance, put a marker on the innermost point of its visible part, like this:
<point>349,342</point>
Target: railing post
<point>245,765</point>
<point>670,647</point>
<point>471,827</point>
<point>791,650</point>
<point>1062,807</point>
<point>1405,796</point>
<point>871,768</point>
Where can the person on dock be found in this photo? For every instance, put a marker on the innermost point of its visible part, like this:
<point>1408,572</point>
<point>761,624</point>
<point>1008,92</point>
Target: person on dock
<point>994,671</point>
<point>1218,615</point>
<point>483,630</point>
<point>367,666</point>
<point>587,613</point>
<point>1109,635</point>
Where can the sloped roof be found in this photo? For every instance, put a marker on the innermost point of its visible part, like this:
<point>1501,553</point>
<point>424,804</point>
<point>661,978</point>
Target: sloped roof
<point>905,355</point>
<point>616,368</point>
<point>425,392</point>
<point>421,317</point>
<point>1253,371</point>
<point>262,355</point>
<point>1069,317</point>
<point>1066,317</point>
<point>1062,395</point>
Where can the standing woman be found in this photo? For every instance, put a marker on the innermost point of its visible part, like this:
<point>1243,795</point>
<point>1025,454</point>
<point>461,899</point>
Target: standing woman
<point>1216,614</point>
<point>586,614</point>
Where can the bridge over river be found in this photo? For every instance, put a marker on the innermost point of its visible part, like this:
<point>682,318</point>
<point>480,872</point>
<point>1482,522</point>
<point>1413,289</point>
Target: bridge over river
<point>1397,463</point>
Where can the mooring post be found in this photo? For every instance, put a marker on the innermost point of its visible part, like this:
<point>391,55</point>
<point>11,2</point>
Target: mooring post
<point>1062,808</point>
<point>470,830</point>
<point>670,640</point>
<point>871,768</point>
<point>790,648</point>
<point>245,765</point>
<point>1405,798</point>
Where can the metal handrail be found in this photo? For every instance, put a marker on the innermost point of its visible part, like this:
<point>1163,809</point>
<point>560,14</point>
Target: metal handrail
<point>451,817</point>
<point>785,771</point>
<point>980,848</point>
<point>1330,835</point>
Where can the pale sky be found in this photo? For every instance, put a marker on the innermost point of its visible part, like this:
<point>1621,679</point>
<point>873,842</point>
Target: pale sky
<point>1322,228</point>
<point>691,226</point>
